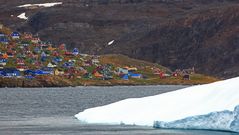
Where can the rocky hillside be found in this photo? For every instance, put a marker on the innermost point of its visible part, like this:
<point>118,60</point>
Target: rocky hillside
<point>175,33</point>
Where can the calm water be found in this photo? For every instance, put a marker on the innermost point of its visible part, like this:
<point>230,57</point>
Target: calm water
<point>41,111</point>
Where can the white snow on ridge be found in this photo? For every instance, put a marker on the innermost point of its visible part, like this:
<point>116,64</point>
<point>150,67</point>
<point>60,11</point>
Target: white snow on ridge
<point>111,42</point>
<point>173,106</point>
<point>41,5</point>
<point>22,16</point>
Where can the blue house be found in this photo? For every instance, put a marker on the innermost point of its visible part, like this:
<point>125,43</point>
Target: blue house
<point>29,77</point>
<point>15,35</point>
<point>2,34</point>
<point>29,72</point>
<point>57,60</point>
<point>43,56</point>
<point>10,72</point>
<point>3,61</point>
<point>75,51</point>
<point>4,40</point>
<point>41,72</point>
<point>25,43</point>
<point>37,50</point>
<point>44,71</point>
<point>68,65</point>
<point>1,73</point>
<point>134,75</point>
<point>125,77</point>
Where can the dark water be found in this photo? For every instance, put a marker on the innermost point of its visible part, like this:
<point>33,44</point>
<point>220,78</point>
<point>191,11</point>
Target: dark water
<point>50,111</point>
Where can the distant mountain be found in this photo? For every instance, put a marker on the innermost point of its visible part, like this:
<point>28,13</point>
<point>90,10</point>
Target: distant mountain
<point>175,33</point>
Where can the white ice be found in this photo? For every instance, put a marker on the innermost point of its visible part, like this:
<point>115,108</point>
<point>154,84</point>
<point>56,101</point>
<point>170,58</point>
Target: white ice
<point>169,107</point>
<point>22,16</point>
<point>41,5</point>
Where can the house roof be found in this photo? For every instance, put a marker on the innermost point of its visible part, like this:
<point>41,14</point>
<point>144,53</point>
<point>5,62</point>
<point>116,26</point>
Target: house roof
<point>15,34</point>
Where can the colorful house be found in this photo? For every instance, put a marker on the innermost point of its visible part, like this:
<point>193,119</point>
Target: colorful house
<point>95,61</point>
<point>138,76</point>
<point>57,60</point>
<point>55,53</point>
<point>44,71</point>
<point>68,53</point>
<point>68,65</point>
<point>4,40</point>
<point>98,75</point>
<point>125,77</point>
<point>24,43</point>
<point>122,71</point>
<point>2,34</point>
<point>35,40</point>
<point>58,72</point>
<point>131,69</point>
<point>10,54</point>
<point>10,72</point>
<point>44,45</point>
<point>37,50</point>
<point>20,62</point>
<point>50,65</point>
<point>29,72</point>
<point>62,47</point>
<point>75,51</point>
<point>22,68</point>
<point>15,35</point>
<point>43,56</point>
<point>27,35</point>
<point>3,61</point>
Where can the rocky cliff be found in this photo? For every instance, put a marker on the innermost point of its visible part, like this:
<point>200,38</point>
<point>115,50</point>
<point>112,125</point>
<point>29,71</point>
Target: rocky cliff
<point>175,33</point>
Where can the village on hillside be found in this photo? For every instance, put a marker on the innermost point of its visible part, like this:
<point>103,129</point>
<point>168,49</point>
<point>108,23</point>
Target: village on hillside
<point>24,55</point>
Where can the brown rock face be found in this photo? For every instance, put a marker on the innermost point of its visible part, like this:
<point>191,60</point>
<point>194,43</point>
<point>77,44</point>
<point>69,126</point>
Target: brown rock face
<point>175,33</point>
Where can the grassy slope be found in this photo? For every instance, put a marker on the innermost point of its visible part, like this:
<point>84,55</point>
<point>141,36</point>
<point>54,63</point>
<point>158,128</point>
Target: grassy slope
<point>145,68</point>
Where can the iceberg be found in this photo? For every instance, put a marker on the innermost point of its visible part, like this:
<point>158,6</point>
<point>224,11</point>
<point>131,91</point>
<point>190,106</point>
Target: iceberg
<point>212,106</point>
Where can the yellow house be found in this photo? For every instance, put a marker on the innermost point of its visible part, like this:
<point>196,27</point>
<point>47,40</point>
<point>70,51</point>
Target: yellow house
<point>50,48</point>
<point>57,72</point>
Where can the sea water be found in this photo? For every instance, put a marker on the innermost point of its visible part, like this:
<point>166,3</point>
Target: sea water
<point>51,110</point>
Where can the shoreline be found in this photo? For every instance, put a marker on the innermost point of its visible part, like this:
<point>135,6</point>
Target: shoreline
<point>56,81</point>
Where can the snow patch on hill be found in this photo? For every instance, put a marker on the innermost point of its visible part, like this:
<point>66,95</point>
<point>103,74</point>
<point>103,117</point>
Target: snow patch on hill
<point>40,5</point>
<point>22,16</point>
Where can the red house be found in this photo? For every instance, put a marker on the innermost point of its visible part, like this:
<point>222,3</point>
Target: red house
<point>69,53</point>
<point>22,68</point>
<point>20,62</point>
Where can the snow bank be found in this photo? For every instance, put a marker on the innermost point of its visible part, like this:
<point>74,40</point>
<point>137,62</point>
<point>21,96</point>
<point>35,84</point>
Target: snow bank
<point>111,42</point>
<point>23,16</point>
<point>41,5</point>
<point>208,103</point>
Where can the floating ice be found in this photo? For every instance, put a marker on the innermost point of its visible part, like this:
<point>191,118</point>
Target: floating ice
<point>209,106</point>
